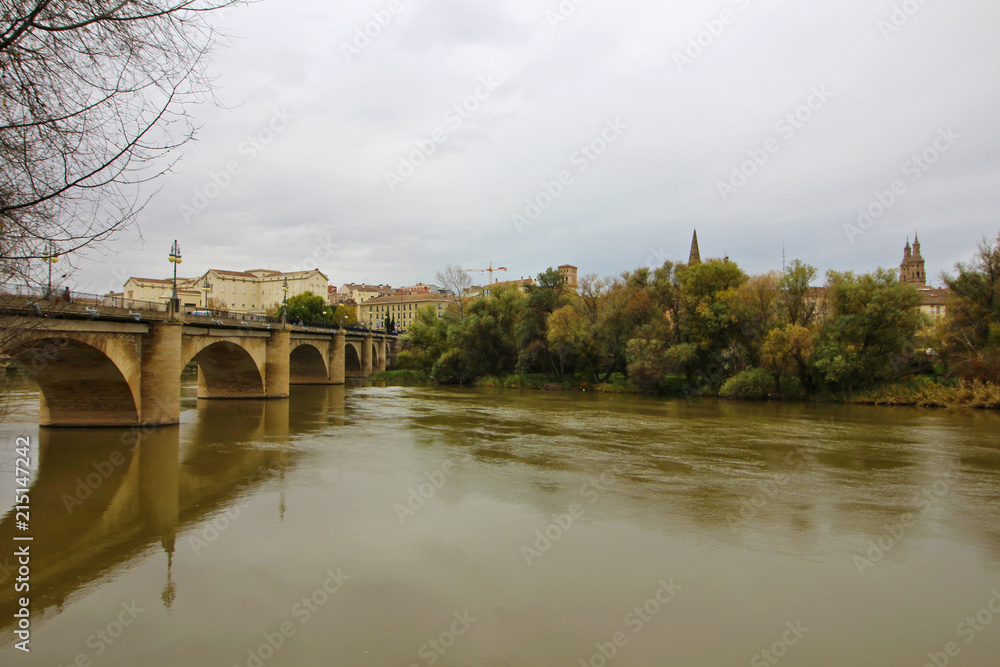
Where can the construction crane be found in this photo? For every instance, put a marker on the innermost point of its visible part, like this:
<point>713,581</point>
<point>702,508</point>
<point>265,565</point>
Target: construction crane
<point>489,270</point>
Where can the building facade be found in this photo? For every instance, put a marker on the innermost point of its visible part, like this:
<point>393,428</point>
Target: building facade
<point>401,308</point>
<point>155,290</point>
<point>251,292</point>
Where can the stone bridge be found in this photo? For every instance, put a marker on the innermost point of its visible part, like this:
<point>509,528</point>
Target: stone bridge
<point>99,368</point>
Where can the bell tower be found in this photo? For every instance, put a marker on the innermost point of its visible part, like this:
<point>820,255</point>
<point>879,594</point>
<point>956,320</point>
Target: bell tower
<point>911,271</point>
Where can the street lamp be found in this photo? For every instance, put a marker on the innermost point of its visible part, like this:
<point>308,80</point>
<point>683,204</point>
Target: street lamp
<point>51,258</point>
<point>175,259</point>
<point>205,287</point>
<point>284,301</point>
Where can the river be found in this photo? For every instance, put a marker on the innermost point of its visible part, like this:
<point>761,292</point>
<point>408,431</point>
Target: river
<point>422,526</point>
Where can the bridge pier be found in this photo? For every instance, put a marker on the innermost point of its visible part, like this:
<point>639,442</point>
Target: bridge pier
<point>277,365</point>
<point>160,390</point>
<point>338,360</point>
<point>366,356</point>
<point>381,355</point>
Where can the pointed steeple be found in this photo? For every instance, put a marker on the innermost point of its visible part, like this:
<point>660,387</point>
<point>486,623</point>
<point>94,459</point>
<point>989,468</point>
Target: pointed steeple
<point>695,256</point>
<point>906,250</point>
<point>916,246</point>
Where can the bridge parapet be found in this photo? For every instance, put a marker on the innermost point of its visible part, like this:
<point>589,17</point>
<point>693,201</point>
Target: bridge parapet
<point>124,370</point>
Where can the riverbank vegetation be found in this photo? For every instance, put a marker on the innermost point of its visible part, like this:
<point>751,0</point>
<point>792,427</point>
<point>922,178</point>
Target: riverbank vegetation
<point>710,328</point>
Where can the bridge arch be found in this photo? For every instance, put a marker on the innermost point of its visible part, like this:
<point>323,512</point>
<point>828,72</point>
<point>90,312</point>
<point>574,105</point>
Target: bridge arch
<point>225,369</point>
<point>352,359</point>
<point>83,380</point>
<point>307,365</point>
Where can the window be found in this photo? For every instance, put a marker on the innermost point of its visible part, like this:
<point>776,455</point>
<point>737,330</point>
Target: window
<point>234,290</point>
<point>244,288</point>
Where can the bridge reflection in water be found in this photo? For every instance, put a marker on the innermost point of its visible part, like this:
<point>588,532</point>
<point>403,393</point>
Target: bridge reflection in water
<point>102,498</point>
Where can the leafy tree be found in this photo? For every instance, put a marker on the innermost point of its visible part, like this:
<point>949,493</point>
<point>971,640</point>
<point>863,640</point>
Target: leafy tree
<point>540,301</point>
<point>796,303</point>
<point>665,290</point>
<point>869,334</point>
<point>93,95</point>
<point>627,311</point>
<point>753,305</point>
<point>307,307</point>
<point>707,320</point>
<point>786,352</point>
<point>426,340</point>
<point>567,334</point>
<point>550,278</point>
<point>350,315</point>
<point>972,329</point>
<point>486,335</point>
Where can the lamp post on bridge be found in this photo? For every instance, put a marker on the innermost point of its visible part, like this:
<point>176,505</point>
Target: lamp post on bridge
<point>175,259</point>
<point>284,302</point>
<point>51,258</point>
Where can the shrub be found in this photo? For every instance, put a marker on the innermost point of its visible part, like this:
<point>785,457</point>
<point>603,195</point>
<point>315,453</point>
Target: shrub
<point>752,384</point>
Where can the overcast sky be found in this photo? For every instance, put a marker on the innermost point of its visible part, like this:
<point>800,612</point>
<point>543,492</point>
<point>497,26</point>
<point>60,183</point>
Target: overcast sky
<point>595,133</point>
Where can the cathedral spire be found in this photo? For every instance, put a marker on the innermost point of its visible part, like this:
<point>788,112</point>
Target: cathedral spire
<point>695,256</point>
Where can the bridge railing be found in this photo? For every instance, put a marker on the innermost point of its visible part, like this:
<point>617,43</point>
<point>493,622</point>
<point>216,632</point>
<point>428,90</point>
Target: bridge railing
<point>64,301</point>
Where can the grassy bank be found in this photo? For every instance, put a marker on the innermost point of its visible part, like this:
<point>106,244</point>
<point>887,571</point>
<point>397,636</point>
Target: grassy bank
<point>617,384</point>
<point>402,377</point>
<point>929,393</point>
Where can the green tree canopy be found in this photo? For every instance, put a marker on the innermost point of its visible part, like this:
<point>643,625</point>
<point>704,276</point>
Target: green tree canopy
<point>307,307</point>
<point>869,333</point>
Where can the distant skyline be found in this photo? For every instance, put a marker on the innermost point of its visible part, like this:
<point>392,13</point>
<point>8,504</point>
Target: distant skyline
<point>381,141</point>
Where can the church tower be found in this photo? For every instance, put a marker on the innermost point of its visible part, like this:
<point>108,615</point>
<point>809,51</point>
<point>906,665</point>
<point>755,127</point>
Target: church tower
<point>695,256</point>
<point>911,271</point>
